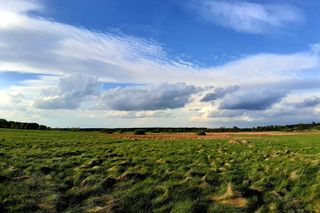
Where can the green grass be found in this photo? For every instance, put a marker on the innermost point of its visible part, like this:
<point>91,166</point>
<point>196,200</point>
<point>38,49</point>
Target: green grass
<point>47,171</point>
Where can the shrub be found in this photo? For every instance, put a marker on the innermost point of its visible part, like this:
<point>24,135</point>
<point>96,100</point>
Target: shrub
<point>108,131</point>
<point>139,132</point>
<point>201,132</point>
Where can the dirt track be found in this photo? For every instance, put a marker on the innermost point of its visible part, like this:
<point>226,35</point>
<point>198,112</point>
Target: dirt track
<point>194,136</point>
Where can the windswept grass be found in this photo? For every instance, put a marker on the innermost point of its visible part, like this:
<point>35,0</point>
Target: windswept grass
<point>49,171</point>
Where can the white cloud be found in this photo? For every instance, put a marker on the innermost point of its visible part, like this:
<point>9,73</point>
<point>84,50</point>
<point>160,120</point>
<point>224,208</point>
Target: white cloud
<point>127,114</point>
<point>20,6</point>
<point>11,12</point>
<point>7,100</point>
<point>56,48</point>
<point>69,94</point>
<point>315,48</point>
<point>248,17</point>
<point>33,44</point>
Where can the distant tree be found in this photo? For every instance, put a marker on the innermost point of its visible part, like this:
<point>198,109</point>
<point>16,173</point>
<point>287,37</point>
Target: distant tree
<point>42,127</point>
<point>201,133</point>
<point>21,125</point>
<point>139,132</point>
<point>108,131</point>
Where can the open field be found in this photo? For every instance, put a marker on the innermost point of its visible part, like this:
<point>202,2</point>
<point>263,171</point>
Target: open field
<point>48,171</point>
<point>170,136</point>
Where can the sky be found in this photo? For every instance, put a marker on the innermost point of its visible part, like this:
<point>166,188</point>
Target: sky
<point>152,63</point>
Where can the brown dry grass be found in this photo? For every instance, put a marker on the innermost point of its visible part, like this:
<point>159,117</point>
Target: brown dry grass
<point>230,197</point>
<point>172,136</point>
<point>238,141</point>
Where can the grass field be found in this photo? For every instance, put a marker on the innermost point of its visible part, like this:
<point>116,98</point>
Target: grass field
<point>48,171</point>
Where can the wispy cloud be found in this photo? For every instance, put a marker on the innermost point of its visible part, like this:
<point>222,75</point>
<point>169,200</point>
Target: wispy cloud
<point>249,17</point>
<point>32,44</point>
<point>20,6</point>
<point>56,48</point>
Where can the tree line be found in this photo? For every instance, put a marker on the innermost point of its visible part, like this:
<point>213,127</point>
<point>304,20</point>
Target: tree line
<point>21,125</point>
<point>284,128</point>
<point>281,128</point>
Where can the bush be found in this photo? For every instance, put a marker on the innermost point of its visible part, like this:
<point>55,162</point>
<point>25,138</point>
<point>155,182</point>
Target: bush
<point>139,132</point>
<point>108,131</point>
<point>201,132</point>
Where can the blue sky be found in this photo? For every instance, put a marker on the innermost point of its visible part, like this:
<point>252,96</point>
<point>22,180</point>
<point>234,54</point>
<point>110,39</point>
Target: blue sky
<point>116,63</point>
<point>183,32</point>
<point>10,78</point>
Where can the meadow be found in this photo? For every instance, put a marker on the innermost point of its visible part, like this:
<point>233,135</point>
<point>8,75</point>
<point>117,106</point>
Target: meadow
<point>61,171</point>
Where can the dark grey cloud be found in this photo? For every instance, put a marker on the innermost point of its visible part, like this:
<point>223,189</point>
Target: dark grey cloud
<point>310,102</point>
<point>149,97</point>
<point>69,93</point>
<point>226,113</point>
<point>219,93</point>
<point>281,115</point>
<point>253,100</point>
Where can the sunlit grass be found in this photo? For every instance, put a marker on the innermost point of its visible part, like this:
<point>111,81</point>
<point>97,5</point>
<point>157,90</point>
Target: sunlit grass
<point>51,171</point>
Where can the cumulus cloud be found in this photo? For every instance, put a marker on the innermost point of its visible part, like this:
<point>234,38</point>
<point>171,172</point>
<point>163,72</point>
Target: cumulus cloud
<point>260,99</point>
<point>30,43</point>
<point>10,100</point>
<point>69,93</point>
<point>149,97</point>
<point>219,93</point>
<point>249,17</point>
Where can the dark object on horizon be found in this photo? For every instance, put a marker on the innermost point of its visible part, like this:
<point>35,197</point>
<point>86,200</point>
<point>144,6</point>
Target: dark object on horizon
<point>201,133</point>
<point>139,132</point>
